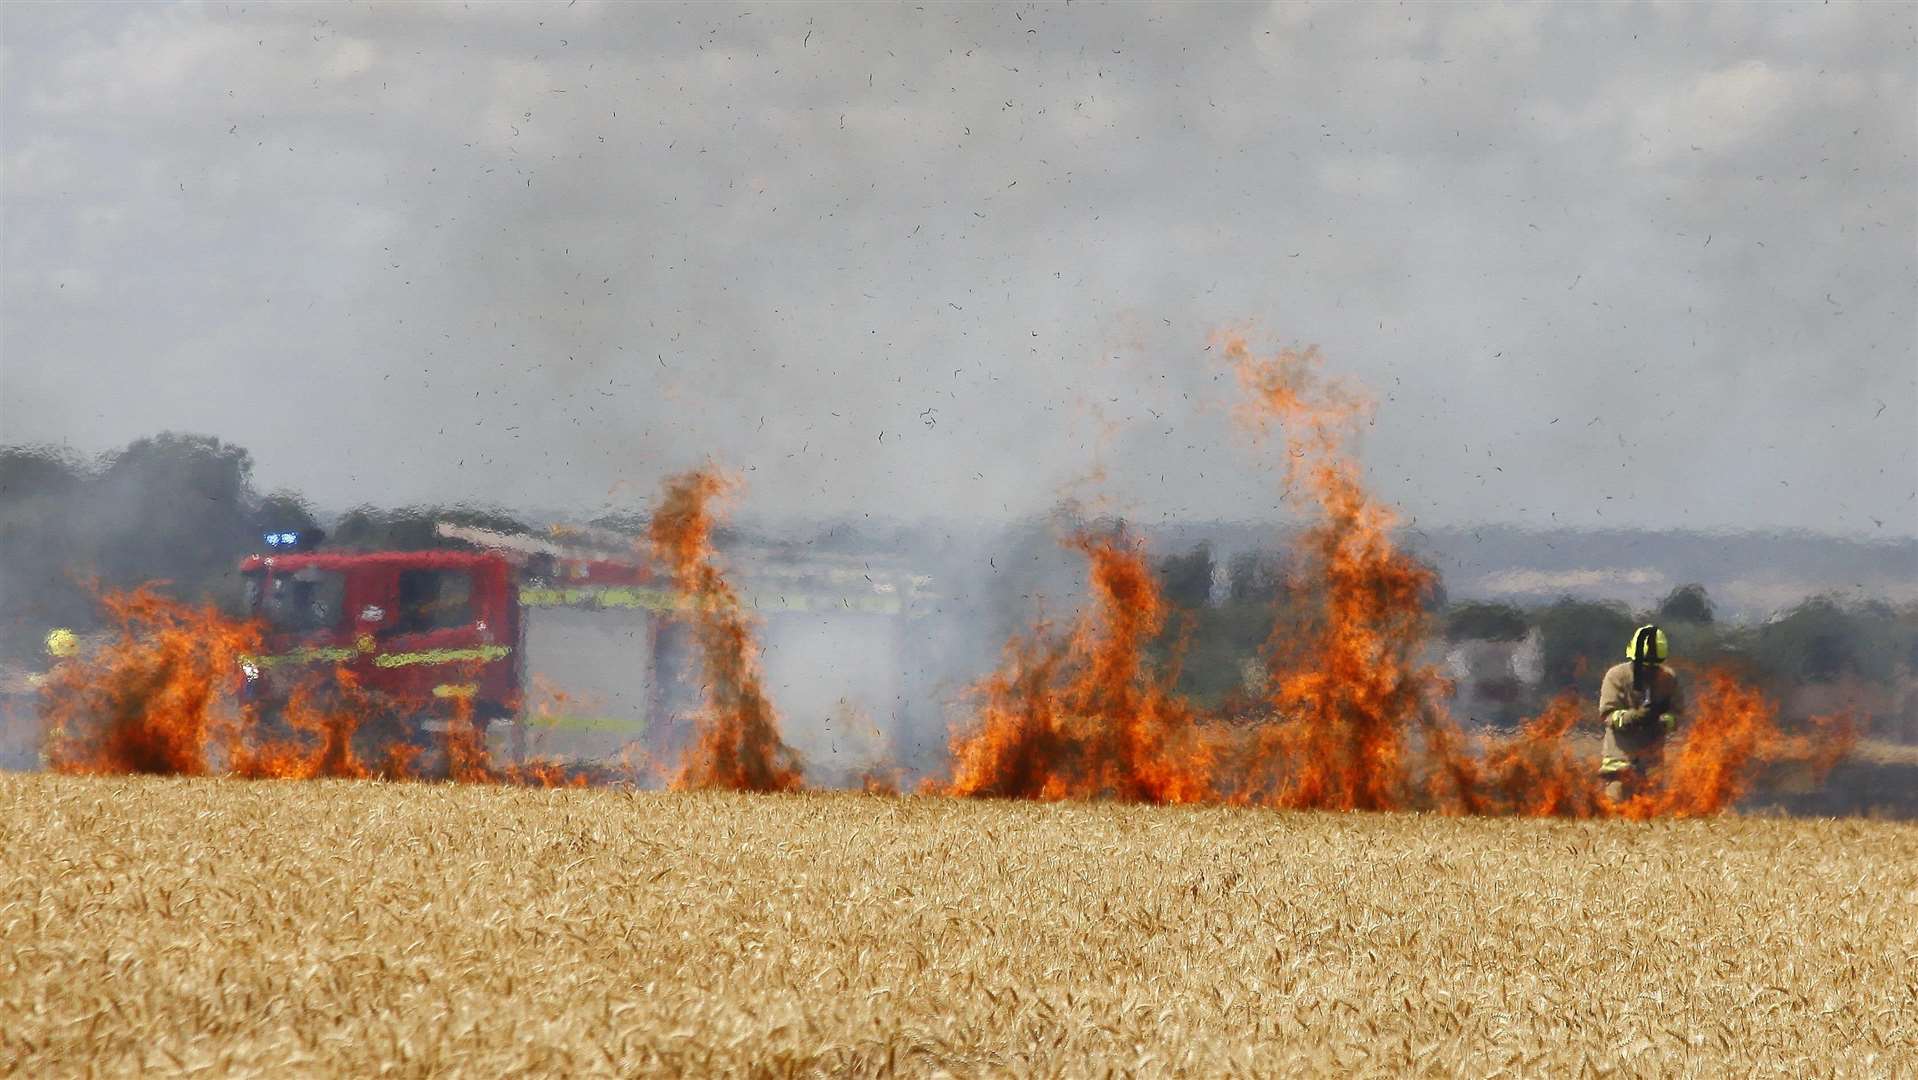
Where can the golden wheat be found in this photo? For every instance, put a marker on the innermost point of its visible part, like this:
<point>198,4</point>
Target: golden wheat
<point>356,928</point>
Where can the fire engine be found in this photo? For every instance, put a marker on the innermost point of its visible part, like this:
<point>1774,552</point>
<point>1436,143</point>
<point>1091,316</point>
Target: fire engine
<point>568,638</point>
<point>425,630</point>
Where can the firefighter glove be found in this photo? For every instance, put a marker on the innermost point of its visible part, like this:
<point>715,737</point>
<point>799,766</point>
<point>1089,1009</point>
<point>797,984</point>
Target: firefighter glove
<point>1624,718</point>
<point>1670,722</point>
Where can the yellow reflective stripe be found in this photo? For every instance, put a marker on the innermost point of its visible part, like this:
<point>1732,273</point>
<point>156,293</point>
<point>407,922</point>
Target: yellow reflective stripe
<point>586,723</point>
<point>305,655</point>
<point>650,599</point>
<point>617,596</point>
<point>1614,764</point>
<point>441,656</point>
<point>455,690</point>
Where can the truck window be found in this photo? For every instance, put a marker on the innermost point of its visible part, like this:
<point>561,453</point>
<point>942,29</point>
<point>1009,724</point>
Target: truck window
<point>303,600</point>
<point>433,600</point>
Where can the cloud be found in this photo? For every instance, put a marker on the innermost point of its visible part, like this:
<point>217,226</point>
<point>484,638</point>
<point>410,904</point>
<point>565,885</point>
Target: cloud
<point>536,254</point>
<point>1718,112</point>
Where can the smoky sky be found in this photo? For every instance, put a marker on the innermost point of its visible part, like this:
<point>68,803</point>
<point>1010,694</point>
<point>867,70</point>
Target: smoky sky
<point>1599,265</point>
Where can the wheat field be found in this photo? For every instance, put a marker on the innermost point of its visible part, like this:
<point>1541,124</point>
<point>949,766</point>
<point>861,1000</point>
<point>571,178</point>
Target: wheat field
<point>277,928</point>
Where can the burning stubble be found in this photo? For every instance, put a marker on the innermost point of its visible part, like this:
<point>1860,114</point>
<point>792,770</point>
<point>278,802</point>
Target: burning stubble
<point>737,744</point>
<point>1083,715</point>
<point>1354,717</point>
<point>159,697</point>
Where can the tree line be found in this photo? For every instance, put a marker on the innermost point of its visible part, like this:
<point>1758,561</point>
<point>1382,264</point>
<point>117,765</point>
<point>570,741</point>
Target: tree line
<point>184,509</point>
<point>177,508</point>
<point>1229,614</point>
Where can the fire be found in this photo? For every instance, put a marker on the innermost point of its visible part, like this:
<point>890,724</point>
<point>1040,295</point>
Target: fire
<point>1535,772</point>
<point>737,744</point>
<point>1354,717</point>
<point>1731,735</point>
<point>159,697</point>
<point>1083,716</point>
<point>319,741</point>
<point>1350,690</point>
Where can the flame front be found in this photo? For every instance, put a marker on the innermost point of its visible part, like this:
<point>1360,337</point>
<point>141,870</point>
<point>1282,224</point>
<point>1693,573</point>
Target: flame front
<point>1349,691</point>
<point>737,744</point>
<point>1354,717</point>
<point>158,699</point>
<point>159,696</point>
<point>1084,716</point>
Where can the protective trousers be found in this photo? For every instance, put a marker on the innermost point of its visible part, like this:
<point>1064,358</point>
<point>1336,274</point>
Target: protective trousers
<point>1630,760</point>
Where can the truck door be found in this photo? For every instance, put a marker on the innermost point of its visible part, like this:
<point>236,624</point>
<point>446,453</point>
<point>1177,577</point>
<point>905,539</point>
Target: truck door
<point>440,641</point>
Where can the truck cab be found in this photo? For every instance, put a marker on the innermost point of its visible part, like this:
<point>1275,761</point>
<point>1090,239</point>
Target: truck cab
<point>417,628</point>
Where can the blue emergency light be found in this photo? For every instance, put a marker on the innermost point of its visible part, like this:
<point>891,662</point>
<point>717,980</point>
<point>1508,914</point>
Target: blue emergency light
<point>288,541</point>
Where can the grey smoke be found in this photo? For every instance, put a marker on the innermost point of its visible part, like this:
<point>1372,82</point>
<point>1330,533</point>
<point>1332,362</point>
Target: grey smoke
<point>1602,266</point>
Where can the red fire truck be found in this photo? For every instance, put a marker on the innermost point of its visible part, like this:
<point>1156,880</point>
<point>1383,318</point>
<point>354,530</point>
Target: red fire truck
<point>571,636</point>
<point>414,625</point>
<point>424,629</point>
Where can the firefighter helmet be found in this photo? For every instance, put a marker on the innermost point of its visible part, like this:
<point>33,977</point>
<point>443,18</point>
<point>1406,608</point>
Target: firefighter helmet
<point>1648,646</point>
<point>62,643</point>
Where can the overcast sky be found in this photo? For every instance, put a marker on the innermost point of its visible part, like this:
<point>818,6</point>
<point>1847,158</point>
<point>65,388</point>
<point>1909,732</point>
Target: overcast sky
<point>1602,265</point>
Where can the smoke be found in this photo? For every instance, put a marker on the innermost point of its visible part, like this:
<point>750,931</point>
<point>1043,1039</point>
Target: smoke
<point>1355,715</point>
<point>1083,715</point>
<point>174,508</point>
<point>737,744</point>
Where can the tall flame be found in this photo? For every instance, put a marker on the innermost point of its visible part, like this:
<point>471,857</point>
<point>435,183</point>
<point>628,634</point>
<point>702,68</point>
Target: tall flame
<point>1355,714</point>
<point>1082,716</point>
<point>737,744</point>
<point>1350,691</point>
<point>157,699</point>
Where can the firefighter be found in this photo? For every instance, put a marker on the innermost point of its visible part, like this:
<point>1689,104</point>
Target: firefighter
<point>62,643</point>
<point>1639,703</point>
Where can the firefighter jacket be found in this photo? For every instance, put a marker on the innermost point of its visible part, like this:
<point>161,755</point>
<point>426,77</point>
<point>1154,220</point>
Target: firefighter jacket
<point>1643,743</point>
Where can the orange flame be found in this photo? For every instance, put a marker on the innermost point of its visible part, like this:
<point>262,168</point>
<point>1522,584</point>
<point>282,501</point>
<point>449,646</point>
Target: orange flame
<point>1731,736</point>
<point>1535,772</point>
<point>1350,690</point>
<point>159,698</point>
<point>737,745</point>
<point>1355,717</point>
<point>320,743</point>
<point>1083,717</point>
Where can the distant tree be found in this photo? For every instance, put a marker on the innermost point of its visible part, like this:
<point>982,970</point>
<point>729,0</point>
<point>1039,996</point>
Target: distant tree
<point>1579,640</point>
<point>283,511</point>
<point>1821,640</point>
<point>414,528</point>
<point>1813,642</point>
<point>1479,621</point>
<point>1186,580</point>
<point>41,560</point>
<point>37,472</point>
<point>174,507</point>
<point>1686,604</point>
<point>1254,577</point>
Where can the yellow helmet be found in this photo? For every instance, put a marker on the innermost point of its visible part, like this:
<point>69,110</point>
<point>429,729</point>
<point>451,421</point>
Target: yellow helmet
<point>1648,646</point>
<point>62,643</point>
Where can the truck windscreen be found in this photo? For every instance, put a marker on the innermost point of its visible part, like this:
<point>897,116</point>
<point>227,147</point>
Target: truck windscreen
<point>302,600</point>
